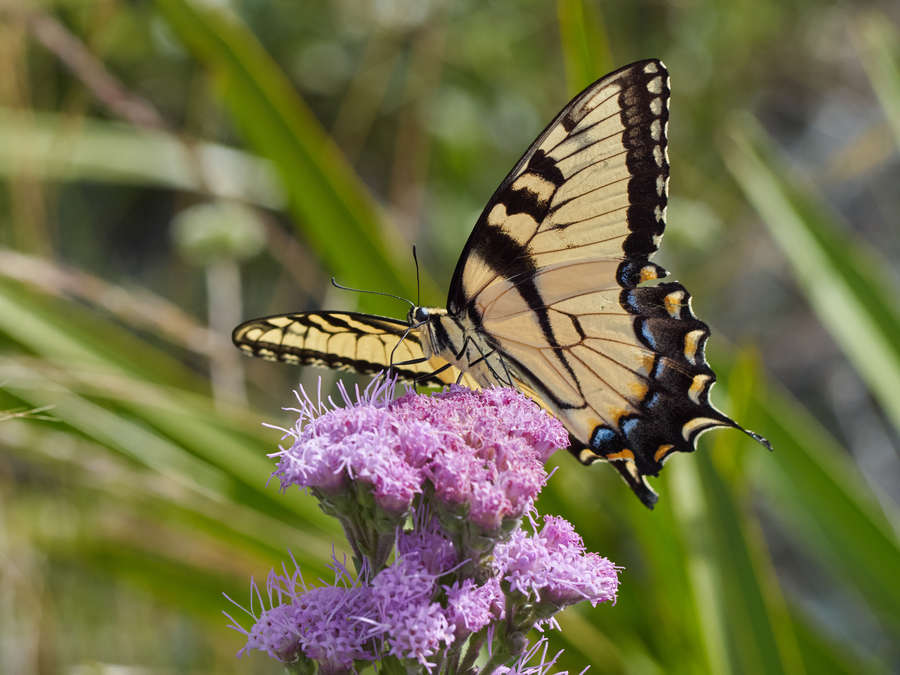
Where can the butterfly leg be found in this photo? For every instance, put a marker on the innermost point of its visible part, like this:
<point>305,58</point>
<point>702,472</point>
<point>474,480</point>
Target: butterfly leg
<point>399,342</point>
<point>509,380</point>
<point>426,376</point>
<point>411,362</point>
<point>481,358</point>
<point>498,376</point>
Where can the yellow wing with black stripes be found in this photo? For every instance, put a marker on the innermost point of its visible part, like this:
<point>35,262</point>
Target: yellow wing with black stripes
<point>363,343</point>
<point>556,276</point>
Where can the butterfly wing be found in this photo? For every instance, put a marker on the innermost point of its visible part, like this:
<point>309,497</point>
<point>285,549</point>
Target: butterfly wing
<point>551,278</point>
<point>363,343</point>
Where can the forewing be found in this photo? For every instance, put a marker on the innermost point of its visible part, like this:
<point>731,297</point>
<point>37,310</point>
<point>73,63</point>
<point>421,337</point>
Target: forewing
<point>593,185</point>
<point>363,343</point>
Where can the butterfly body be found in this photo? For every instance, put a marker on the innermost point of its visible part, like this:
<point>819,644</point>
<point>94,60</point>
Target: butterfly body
<point>555,294</point>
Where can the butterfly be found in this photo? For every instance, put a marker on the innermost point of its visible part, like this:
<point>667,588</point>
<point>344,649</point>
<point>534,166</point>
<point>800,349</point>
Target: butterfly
<point>555,294</point>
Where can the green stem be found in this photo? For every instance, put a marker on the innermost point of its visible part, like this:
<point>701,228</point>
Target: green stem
<point>476,642</point>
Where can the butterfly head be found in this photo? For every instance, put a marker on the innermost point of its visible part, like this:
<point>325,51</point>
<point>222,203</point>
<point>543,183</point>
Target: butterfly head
<point>418,316</point>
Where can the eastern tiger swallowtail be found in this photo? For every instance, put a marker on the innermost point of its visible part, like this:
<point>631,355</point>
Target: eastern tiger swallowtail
<point>550,293</point>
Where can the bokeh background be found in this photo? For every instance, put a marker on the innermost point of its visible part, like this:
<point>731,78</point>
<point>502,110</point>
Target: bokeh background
<point>172,168</point>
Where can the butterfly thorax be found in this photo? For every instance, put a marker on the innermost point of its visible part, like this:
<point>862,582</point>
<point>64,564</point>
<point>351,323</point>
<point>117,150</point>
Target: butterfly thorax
<point>455,339</point>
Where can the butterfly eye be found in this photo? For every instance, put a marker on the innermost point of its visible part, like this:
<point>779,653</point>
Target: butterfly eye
<point>420,315</point>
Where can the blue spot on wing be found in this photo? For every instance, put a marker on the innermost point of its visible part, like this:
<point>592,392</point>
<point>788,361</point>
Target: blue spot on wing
<point>648,336</point>
<point>603,440</point>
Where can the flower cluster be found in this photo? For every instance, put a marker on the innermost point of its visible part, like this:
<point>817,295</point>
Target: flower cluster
<point>431,491</point>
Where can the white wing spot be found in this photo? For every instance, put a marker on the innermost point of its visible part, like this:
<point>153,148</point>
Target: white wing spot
<point>655,85</point>
<point>651,68</point>
<point>655,130</point>
<point>698,424</point>
<point>692,341</point>
<point>656,105</point>
<point>586,456</point>
<point>658,156</point>
<point>497,215</point>
<point>543,188</point>
<point>662,184</point>
<point>698,386</point>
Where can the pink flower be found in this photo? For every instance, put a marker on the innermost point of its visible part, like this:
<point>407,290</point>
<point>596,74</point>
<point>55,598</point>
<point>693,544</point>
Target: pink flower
<point>553,568</point>
<point>483,452</point>
<point>465,466</point>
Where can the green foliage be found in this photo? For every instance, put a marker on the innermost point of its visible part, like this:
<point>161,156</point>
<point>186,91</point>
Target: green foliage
<point>139,493</point>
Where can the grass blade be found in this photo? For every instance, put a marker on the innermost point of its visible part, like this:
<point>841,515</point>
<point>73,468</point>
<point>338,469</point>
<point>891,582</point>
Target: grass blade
<point>333,210</point>
<point>584,43</point>
<point>838,275</point>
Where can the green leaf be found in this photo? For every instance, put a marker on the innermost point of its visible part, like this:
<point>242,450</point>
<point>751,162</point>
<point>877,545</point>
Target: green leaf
<point>334,211</point>
<point>878,50</point>
<point>843,280</point>
<point>817,492</point>
<point>584,43</point>
<point>117,153</point>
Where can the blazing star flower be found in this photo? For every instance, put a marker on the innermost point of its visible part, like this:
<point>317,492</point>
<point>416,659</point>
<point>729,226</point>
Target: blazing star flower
<point>321,623</point>
<point>471,607</point>
<point>431,491</point>
<point>495,443</point>
<point>482,452</point>
<point>552,568</point>
<point>361,442</point>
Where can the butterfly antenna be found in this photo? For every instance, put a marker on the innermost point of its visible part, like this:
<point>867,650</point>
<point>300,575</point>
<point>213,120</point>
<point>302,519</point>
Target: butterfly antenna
<point>362,290</point>
<point>418,285</point>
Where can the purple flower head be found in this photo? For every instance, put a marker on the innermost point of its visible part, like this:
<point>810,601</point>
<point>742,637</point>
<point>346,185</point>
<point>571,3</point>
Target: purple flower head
<point>360,442</point>
<point>275,632</point>
<point>483,451</point>
<point>408,581</point>
<point>418,632</point>
<point>465,466</point>
<point>328,620</point>
<point>493,447</point>
<point>471,607</point>
<point>428,542</point>
<point>414,625</point>
<point>324,623</point>
<point>552,566</point>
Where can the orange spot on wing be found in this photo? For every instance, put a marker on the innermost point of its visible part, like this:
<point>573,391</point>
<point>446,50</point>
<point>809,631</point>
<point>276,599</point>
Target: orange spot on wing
<point>662,451</point>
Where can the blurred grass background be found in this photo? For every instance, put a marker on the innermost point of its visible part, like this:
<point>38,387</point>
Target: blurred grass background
<point>173,167</point>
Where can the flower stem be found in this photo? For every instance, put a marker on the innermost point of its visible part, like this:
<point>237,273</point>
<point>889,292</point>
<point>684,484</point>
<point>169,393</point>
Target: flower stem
<point>474,649</point>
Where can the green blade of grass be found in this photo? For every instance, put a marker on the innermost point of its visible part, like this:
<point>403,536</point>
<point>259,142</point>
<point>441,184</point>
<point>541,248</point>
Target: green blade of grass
<point>333,210</point>
<point>815,490</point>
<point>878,40</point>
<point>839,276</point>
<point>172,430</point>
<point>116,153</point>
<point>737,597</point>
<point>584,44</point>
